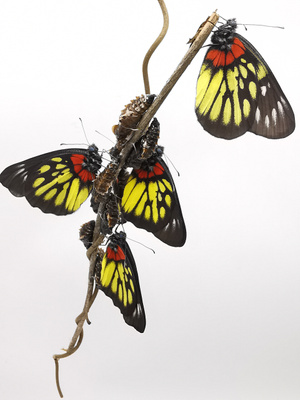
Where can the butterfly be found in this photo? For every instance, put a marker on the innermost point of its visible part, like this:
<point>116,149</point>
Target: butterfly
<point>237,91</point>
<point>150,201</point>
<point>118,278</point>
<point>57,182</point>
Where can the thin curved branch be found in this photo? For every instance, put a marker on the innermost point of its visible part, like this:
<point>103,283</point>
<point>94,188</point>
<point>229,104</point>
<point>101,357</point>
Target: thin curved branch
<point>155,45</point>
<point>198,41</point>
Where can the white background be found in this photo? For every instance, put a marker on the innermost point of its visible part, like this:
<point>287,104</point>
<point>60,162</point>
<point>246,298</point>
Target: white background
<point>223,317</point>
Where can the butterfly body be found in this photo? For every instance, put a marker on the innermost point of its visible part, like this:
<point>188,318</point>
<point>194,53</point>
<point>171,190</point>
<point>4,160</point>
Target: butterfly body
<point>118,279</point>
<point>237,91</point>
<point>57,182</point>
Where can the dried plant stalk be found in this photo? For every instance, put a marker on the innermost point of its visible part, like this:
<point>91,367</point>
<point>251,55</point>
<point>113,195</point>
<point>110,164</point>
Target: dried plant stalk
<point>136,134</point>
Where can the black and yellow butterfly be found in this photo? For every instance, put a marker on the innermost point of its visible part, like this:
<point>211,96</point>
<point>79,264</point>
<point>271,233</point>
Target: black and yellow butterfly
<point>57,182</point>
<point>118,279</point>
<point>150,201</point>
<point>237,91</point>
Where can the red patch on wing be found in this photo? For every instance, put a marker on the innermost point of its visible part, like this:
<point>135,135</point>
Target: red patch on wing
<point>220,58</point>
<point>115,255</point>
<point>237,48</point>
<point>141,173</point>
<point>157,170</point>
<point>217,57</point>
<point>84,174</point>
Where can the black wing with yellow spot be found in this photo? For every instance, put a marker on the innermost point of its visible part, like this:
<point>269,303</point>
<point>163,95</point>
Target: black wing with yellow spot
<point>237,91</point>
<point>57,182</point>
<point>118,279</point>
<point>150,202</point>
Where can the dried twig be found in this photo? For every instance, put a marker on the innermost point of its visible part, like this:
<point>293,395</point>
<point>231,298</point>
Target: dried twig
<point>98,237</point>
<point>155,45</point>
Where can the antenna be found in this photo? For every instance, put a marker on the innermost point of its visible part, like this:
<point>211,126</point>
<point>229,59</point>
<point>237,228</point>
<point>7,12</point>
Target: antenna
<point>84,130</point>
<point>265,26</point>
<point>169,159</point>
<point>105,136</point>
<point>149,248</point>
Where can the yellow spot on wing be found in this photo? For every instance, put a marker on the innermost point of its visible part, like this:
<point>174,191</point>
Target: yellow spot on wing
<point>141,205</point>
<point>243,71</point>
<point>107,272</point>
<point>209,96</point>
<point>82,196</point>
<point>73,193</point>
<point>168,185</point>
<point>62,194</point>
<point>152,190</point>
<point>38,182</point>
<point>120,292</point>
<point>155,211</point>
<point>44,188</point>
<point>252,89</point>
<point>168,200</point>
<point>162,212</point>
<point>50,194</point>
<point>114,283</point>
<point>128,188</point>
<point>132,194</point>
<point>251,68</point>
<point>237,108</point>
<point>161,186</point>
<point>241,83</point>
<point>60,166</point>
<point>246,108</point>
<point>131,285</point>
<point>147,213</point>
<point>64,176</point>
<point>227,112</point>
<point>44,169</point>
<point>216,109</point>
<point>130,298</point>
<point>262,72</point>
<point>203,83</point>
<point>232,76</point>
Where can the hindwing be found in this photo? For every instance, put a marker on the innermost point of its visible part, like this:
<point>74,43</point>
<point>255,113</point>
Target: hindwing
<point>150,202</point>
<point>237,91</point>
<point>118,279</point>
<point>57,182</point>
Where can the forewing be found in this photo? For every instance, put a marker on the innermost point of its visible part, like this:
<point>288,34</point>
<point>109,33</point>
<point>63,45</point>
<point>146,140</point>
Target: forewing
<point>56,182</point>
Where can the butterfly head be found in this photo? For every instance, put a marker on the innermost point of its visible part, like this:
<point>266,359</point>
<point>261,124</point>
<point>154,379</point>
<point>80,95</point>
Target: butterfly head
<point>116,239</point>
<point>223,37</point>
<point>93,160</point>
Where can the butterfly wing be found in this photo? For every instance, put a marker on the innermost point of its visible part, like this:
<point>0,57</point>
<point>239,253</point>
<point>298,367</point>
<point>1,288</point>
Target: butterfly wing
<point>274,116</point>
<point>237,92</point>
<point>118,279</point>
<point>57,182</point>
<point>150,202</point>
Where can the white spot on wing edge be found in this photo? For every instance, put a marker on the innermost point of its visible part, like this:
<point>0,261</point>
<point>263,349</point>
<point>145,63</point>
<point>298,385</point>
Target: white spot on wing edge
<point>283,101</point>
<point>263,90</point>
<point>274,116</point>
<point>257,115</point>
<point>280,108</point>
<point>267,121</point>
